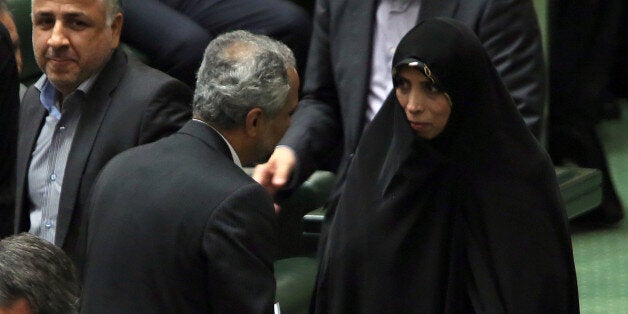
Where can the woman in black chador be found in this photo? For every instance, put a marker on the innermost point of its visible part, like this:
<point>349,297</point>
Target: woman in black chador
<point>450,205</point>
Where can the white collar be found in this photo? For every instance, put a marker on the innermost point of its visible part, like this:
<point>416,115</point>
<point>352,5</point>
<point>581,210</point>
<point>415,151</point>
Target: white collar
<point>234,155</point>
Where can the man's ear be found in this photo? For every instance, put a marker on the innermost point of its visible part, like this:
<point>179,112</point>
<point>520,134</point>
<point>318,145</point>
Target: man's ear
<point>116,30</point>
<point>254,122</point>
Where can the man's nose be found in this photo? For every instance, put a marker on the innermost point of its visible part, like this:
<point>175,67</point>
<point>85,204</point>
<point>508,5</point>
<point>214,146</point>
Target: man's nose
<point>58,37</point>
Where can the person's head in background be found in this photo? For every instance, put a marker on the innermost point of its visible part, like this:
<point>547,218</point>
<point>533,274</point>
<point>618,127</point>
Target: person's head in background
<point>74,39</point>
<point>6,18</point>
<point>247,89</point>
<point>36,277</point>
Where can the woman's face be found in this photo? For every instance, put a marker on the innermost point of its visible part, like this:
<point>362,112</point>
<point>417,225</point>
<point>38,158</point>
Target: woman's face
<point>427,109</point>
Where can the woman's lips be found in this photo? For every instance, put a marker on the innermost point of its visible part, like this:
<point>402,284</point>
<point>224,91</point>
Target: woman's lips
<point>419,126</point>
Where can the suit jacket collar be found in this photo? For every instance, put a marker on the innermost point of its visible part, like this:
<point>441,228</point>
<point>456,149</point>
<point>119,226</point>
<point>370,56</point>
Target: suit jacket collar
<point>208,136</point>
<point>31,119</point>
<point>94,109</point>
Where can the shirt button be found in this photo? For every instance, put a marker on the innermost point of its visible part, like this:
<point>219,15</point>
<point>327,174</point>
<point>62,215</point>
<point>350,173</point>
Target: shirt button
<point>62,128</point>
<point>53,177</point>
<point>49,224</point>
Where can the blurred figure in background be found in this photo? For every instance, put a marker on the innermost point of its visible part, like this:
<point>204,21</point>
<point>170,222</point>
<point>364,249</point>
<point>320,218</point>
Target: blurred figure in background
<point>7,19</point>
<point>619,84</point>
<point>584,35</point>
<point>9,108</point>
<point>174,33</point>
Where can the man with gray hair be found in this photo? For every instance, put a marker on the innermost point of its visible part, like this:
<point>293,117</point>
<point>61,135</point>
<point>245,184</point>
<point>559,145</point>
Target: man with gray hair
<point>92,103</point>
<point>36,277</point>
<point>177,226</point>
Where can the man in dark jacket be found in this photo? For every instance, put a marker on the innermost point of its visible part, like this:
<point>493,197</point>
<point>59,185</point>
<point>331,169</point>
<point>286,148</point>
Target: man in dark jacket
<point>177,226</point>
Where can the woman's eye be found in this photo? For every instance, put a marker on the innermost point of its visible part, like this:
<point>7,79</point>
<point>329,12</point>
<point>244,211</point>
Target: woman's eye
<point>402,85</point>
<point>431,87</point>
<point>403,88</point>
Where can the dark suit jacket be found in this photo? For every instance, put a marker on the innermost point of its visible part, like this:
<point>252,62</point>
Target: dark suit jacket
<point>148,26</point>
<point>9,106</point>
<point>130,104</point>
<point>176,227</point>
<point>331,115</point>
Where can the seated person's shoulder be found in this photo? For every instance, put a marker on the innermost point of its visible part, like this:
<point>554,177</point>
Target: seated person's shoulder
<point>141,79</point>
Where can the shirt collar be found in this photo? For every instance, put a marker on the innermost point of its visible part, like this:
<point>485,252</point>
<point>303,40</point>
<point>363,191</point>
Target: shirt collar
<point>234,155</point>
<point>48,92</point>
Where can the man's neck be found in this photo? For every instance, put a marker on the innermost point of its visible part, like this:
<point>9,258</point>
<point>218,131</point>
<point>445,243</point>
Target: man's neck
<point>231,138</point>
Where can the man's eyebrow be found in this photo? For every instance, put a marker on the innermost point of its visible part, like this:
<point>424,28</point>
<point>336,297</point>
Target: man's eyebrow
<point>65,16</point>
<point>73,15</point>
<point>42,14</point>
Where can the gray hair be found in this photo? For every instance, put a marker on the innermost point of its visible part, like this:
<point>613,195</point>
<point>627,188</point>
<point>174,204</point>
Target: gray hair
<point>241,71</point>
<point>112,7</point>
<point>38,271</point>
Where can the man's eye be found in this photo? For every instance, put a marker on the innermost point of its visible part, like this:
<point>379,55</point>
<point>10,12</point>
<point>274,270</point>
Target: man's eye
<point>78,24</point>
<point>44,23</point>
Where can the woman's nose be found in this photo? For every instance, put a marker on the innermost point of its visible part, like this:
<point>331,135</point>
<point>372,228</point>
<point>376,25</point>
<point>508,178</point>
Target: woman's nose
<point>416,102</point>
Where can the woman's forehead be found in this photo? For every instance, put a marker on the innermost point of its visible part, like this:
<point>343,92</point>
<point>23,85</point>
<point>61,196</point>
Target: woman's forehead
<point>411,71</point>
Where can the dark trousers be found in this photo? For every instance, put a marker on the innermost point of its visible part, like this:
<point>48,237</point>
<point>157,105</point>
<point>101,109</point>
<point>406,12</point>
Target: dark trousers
<point>583,46</point>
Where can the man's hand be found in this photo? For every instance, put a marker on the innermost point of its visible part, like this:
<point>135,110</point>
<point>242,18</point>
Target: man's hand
<point>275,173</point>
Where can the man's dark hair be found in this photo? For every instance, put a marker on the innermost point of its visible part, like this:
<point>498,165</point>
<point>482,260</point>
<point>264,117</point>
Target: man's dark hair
<point>34,269</point>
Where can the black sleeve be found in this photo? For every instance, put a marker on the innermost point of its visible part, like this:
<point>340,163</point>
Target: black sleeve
<point>240,245</point>
<point>9,107</point>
